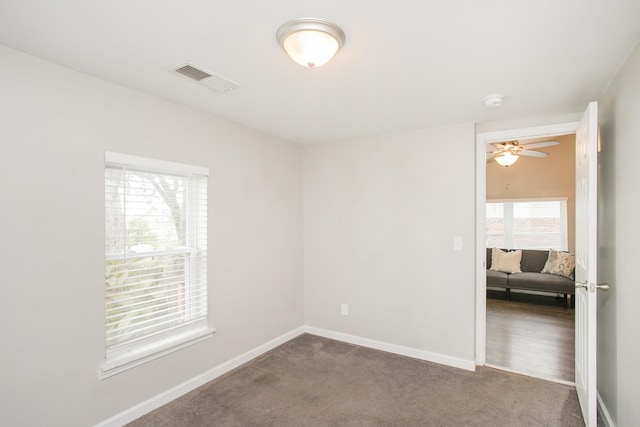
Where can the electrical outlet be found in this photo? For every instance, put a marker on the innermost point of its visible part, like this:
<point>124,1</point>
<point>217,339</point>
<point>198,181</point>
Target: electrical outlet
<point>344,309</point>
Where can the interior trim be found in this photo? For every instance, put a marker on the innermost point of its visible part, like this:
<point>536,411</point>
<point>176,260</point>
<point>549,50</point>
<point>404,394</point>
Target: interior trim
<point>481,195</point>
<point>604,412</point>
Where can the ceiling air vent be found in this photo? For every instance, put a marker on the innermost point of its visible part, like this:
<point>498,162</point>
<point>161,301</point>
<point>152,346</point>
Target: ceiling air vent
<point>210,80</point>
<point>193,72</point>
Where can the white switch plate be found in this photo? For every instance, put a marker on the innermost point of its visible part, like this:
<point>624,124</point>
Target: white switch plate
<point>344,309</point>
<point>457,243</point>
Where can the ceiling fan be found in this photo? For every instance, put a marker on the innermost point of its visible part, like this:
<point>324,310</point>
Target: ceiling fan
<point>508,152</point>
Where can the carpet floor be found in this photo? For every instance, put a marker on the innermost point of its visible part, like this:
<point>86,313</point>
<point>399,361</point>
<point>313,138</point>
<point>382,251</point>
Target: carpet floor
<point>314,381</point>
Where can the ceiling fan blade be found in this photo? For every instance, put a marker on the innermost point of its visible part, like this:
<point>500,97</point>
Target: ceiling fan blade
<point>533,153</point>
<point>540,144</point>
<point>491,155</point>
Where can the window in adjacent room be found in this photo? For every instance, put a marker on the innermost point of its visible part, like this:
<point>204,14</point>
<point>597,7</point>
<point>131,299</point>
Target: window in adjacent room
<point>527,224</point>
<point>155,259</point>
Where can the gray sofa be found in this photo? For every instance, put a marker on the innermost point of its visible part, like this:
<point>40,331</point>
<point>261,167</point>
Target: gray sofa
<point>531,278</point>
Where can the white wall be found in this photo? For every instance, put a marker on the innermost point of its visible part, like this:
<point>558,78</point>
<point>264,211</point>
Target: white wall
<point>619,245</point>
<point>528,122</point>
<point>56,125</point>
<point>380,215</point>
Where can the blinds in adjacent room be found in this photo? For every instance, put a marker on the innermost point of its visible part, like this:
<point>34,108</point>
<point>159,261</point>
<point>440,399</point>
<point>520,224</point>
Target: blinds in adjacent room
<point>527,224</point>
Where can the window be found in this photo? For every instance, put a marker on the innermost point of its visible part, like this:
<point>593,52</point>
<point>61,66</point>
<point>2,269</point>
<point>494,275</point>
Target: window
<point>155,259</point>
<point>527,224</point>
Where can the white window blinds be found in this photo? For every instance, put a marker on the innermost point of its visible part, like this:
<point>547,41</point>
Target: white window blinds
<point>527,224</point>
<point>155,253</point>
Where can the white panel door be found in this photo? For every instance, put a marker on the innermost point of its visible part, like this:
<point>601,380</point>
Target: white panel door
<point>586,262</point>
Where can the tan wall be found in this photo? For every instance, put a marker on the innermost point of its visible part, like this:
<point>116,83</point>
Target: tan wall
<point>530,178</point>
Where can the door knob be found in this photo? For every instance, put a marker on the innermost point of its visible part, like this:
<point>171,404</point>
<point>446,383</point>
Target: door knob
<point>601,286</point>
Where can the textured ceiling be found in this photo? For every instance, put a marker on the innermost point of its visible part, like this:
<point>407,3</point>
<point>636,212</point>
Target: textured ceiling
<point>405,64</point>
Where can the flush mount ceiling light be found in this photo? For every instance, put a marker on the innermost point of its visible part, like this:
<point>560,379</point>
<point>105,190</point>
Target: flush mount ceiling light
<point>310,42</point>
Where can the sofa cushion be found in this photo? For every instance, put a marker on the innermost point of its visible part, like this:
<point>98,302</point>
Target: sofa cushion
<point>541,282</point>
<point>560,263</point>
<point>533,260</point>
<point>507,262</point>
<point>497,278</point>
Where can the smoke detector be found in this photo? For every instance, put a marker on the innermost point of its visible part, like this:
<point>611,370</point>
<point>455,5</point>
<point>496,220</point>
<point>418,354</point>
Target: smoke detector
<point>493,101</point>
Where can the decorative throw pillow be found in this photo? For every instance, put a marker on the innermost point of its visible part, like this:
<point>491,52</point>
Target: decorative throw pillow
<point>507,262</point>
<point>560,264</point>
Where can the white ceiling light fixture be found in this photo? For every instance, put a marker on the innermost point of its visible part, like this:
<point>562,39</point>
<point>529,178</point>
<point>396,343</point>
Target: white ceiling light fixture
<point>310,42</point>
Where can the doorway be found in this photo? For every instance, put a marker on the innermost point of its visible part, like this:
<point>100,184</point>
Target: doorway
<point>498,313</point>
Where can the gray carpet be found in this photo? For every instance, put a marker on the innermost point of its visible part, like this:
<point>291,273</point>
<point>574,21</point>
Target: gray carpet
<point>314,381</point>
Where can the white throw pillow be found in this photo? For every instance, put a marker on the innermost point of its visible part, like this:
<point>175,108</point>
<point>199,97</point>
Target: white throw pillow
<point>560,263</point>
<point>507,262</point>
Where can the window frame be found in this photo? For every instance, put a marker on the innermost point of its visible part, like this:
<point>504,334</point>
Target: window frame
<point>508,221</point>
<point>126,355</point>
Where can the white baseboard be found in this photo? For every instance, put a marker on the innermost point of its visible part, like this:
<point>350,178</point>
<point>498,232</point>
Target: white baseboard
<point>442,359</point>
<point>604,412</point>
<point>189,385</point>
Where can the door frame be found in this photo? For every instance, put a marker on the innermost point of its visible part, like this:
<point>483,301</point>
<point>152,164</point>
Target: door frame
<point>481,195</point>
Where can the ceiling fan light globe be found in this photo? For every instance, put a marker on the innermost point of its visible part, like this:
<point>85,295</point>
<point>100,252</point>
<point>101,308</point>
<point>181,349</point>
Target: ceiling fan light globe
<point>507,159</point>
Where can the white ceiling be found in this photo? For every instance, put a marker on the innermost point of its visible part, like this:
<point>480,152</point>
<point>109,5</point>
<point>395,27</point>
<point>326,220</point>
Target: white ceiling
<point>405,64</point>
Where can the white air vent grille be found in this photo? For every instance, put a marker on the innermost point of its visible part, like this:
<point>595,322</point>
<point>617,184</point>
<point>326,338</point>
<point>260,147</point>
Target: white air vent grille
<point>192,72</point>
<point>212,81</point>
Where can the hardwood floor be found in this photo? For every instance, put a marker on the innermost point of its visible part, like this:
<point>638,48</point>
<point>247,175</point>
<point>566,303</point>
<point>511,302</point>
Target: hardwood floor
<point>533,335</point>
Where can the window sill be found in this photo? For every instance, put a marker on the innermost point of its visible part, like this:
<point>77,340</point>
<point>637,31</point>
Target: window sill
<point>126,360</point>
